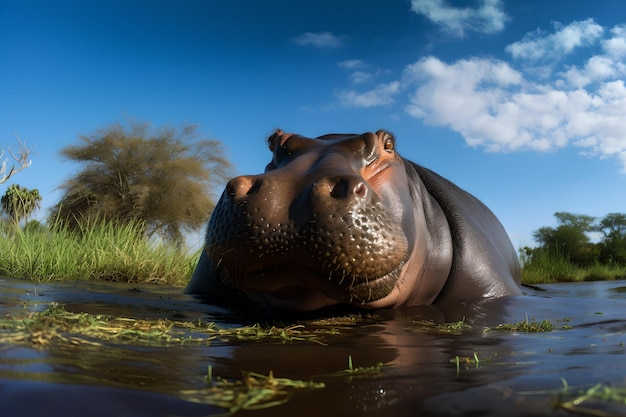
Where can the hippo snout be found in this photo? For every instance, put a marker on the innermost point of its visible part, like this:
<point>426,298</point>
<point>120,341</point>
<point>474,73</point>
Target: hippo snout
<point>334,226</point>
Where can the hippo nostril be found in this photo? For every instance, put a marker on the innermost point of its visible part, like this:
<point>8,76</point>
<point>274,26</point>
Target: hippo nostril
<point>242,186</point>
<point>360,190</point>
<point>340,189</point>
<point>345,187</point>
<point>254,187</point>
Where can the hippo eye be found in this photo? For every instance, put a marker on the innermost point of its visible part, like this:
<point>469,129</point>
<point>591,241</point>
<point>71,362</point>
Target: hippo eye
<point>389,144</point>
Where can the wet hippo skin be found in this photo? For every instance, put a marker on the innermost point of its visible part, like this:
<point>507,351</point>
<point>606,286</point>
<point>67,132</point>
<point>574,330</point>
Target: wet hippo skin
<point>343,218</point>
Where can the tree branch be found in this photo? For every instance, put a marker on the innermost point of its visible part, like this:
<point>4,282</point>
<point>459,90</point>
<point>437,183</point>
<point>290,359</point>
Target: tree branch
<point>21,158</point>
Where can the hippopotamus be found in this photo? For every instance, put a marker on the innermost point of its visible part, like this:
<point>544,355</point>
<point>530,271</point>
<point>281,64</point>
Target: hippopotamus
<point>344,219</point>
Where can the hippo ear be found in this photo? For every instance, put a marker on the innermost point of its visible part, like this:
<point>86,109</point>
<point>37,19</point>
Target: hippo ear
<point>274,139</point>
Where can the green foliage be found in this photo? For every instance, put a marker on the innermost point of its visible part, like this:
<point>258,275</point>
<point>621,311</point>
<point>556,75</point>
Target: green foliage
<point>579,222</point>
<point>570,241</point>
<point>102,250</point>
<point>613,246</point>
<point>160,179</point>
<point>19,203</point>
<point>553,263</point>
<point>569,238</point>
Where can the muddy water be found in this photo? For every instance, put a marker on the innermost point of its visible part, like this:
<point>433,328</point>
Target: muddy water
<point>516,373</point>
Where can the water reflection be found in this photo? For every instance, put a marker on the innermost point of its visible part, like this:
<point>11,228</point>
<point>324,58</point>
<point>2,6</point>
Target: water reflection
<point>470,373</point>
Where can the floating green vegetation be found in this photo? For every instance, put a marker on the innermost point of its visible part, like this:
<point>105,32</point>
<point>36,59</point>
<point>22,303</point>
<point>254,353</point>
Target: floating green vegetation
<point>428,326</point>
<point>256,391</point>
<point>529,326</point>
<point>56,325</point>
<point>595,401</point>
<point>458,360</point>
<point>584,401</point>
<point>252,392</point>
<point>359,371</point>
<point>347,320</point>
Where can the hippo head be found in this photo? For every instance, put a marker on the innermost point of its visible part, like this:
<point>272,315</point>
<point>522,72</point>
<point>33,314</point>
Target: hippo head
<point>324,224</point>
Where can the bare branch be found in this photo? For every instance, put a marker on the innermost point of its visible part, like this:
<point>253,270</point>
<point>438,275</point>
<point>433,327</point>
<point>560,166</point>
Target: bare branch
<point>21,158</point>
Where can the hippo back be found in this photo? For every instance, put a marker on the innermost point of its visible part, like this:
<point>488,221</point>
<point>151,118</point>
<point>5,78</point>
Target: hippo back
<point>484,263</point>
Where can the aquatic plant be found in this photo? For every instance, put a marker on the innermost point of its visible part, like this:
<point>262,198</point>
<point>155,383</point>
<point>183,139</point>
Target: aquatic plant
<point>595,400</point>
<point>599,392</point>
<point>359,371</point>
<point>529,326</point>
<point>465,359</point>
<point>429,326</point>
<point>56,325</point>
<point>252,392</point>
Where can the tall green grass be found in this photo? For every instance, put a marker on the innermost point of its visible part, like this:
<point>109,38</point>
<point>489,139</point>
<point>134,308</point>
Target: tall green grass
<point>548,267</point>
<point>101,251</point>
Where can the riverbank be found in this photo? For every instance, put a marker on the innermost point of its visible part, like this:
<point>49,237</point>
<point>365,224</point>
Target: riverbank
<point>544,268</point>
<point>120,253</point>
<point>102,252</point>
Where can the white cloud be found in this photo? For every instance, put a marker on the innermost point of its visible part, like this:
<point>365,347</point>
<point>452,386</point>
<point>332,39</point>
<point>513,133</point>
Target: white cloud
<point>597,68</point>
<point>352,64</point>
<point>361,71</point>
<point>616,45</point>
<point>381,95</point>
<point>360,77</point>
<point>536,47</point>
<point>319,39</point>
<point>494,106</point>
<point>487,17</point>
<point>504,106</point>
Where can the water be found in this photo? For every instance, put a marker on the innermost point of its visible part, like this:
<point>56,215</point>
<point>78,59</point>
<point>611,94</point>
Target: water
<point>516,373</point>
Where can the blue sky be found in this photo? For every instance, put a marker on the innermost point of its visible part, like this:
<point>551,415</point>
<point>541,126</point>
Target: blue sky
<point>522,104</point>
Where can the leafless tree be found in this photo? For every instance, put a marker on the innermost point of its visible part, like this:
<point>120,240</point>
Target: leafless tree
<point>21,157</point>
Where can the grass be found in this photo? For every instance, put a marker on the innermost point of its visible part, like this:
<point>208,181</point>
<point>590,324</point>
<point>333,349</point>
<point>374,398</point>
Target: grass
<point>428,326</point>
<point>256,391</point>
<point>104,251</point>
<point>252,392</point>
<point>596,400</point>
<point>360,371</point>
<point>55,326</point>
<point>598,393</point>
<point>529,326</point>
<point>544,267</point>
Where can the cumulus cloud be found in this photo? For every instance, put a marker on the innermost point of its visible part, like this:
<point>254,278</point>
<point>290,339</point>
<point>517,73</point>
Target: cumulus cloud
<point>616,44</point>
<point>381,95</point>
<point>319,40</point>
<point>500,108</point>
<point>535,46</point>
<point>487,17</point>
<point>503,106</point>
